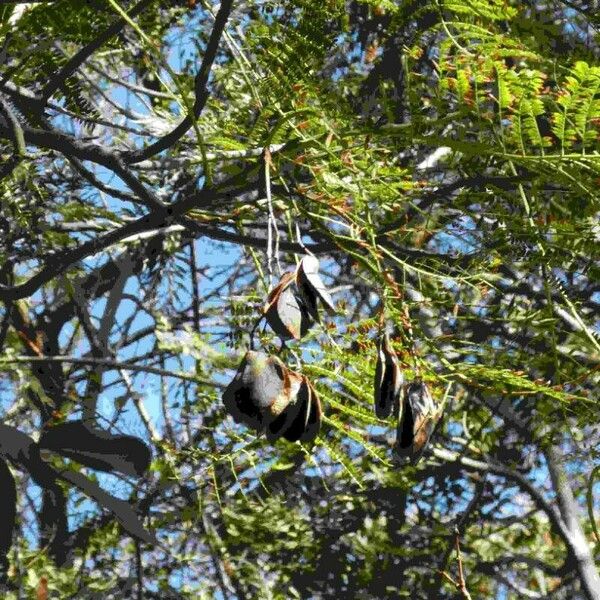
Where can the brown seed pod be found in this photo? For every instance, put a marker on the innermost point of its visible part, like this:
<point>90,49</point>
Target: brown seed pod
<point>388,379</point>
<point>259,391</point>
<point>285,311</point>
<point>281,424</point>
<point>298,426</point>
<point>416,421</point>
<point>315,415</point>
<point>311,286</point>
<point>267,396</point>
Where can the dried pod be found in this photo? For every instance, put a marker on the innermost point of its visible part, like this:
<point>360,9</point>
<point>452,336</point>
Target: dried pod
<point>306,421</point>
<point>123,511</point>
<point>285,311</point>
<point>282,423</point>
<point>388,379</point>
<point>267,396</point>
<point>97,449</point>
<point>8,507</point>
<point>292,421</point>
<point>315,414</point>
<point>24,451</point>
<point>261,389</point>
<point>311,286</point>
<point>416,421</point>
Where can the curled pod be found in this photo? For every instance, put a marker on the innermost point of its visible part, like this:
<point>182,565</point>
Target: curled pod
<point>96,448</point>
<point>286,311</point>
<point>311,286</point>
<point>306,421</point>
<point>388,379</point>
<point>314,416</point>
<point>260,390</point>
<point>293,418</point>
<point>416,421</point>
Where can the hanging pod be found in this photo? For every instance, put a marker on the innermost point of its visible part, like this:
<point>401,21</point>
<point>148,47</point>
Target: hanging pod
<point>388,379</point>
<point>96,448</point>
<point>292,306</point>
<point>260,390</point>
<point>303,421</point>
<point>292,416</point>
<point>267,396</point>
<point>285,310</point>
<point>23,451</point>
<point>416,421</point>
<point>311,286</point>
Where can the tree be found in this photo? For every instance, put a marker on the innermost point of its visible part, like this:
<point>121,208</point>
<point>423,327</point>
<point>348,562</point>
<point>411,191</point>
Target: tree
<point>165,163</point>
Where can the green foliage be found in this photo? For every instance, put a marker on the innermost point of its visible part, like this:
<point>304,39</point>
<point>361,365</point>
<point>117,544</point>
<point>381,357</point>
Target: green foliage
<point>442,160</point>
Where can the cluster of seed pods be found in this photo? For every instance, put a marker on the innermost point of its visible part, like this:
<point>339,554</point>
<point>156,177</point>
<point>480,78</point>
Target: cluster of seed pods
<point>271,399</point>
<point>412,403</point>
<point>264,394</point>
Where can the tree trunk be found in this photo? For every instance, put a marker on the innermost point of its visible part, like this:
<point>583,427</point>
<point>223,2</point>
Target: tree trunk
<point>569,510</point>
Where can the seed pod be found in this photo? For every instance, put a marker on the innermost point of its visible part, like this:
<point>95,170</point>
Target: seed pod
<point>306,421</point>
<point>298,426</point>
<point>97,449</point>
<point>388,379</point>
<point>311,286</point>
<point>315,414</point>
<point>260,391</point>
<point>267,396</point>
<point>281,424</point>
<point>285,311</point>
<point>416,421</point>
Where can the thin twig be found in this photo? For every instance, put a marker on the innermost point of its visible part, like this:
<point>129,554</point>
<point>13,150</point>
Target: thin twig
<point>194,285</point>
<point>200,88</point>
<point>459,584</point>
<point>141,409</point>
<point>109,363</point>
<point>270,220</point>
<point>462,586</point>
<point>84,53</point>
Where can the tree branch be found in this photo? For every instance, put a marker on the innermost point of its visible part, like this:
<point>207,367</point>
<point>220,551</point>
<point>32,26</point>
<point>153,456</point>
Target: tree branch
<point>84,53</point>
<point>201,90</point>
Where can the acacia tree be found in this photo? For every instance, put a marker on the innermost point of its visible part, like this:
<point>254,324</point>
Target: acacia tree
<point>165,163</point>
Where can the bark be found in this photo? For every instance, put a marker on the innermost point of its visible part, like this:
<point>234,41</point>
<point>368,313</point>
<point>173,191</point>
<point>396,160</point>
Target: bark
<point>570,513</point>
